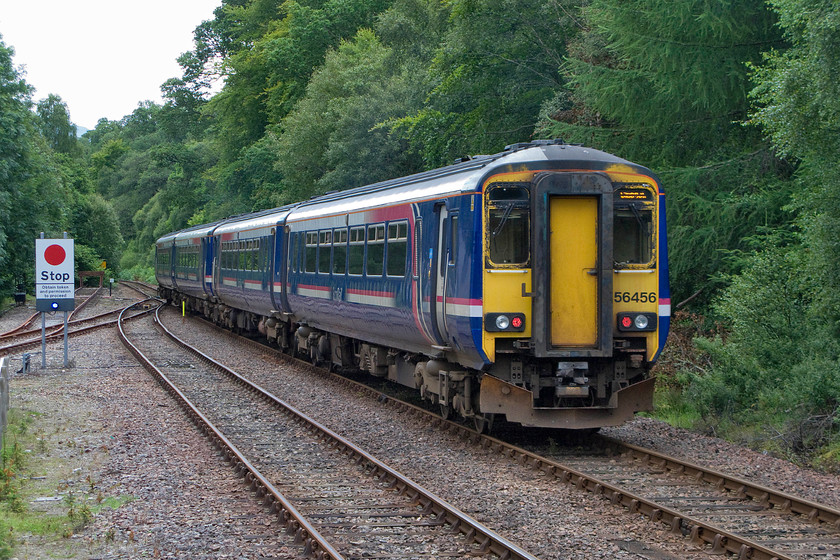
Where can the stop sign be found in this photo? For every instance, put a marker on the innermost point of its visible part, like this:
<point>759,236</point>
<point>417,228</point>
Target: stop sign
<point>54,275</point>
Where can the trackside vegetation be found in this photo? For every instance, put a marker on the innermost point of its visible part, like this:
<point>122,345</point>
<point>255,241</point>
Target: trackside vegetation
<point>39,500</point>
<point>735,105</point>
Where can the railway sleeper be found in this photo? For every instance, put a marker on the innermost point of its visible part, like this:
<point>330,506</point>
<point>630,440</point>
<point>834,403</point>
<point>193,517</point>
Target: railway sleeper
<point>448,385</point>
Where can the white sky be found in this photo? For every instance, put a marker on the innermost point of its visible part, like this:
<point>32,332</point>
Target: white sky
<point>102,57</point>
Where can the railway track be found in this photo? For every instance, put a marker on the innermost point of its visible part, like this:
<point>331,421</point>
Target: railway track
<point>336,500</point>
<point>25,328</point>
<point>145,290</point>
<point>728,514</point>
<point>720,514</point>
<point>31,339</point>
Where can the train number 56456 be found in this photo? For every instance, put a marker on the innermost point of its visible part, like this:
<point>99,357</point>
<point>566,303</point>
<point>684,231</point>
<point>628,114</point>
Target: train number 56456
<point>636,297</point>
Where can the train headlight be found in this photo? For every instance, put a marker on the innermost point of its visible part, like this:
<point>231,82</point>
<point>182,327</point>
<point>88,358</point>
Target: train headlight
<point>641,322</point>
<point>634,322</point>
<point>504,322</point>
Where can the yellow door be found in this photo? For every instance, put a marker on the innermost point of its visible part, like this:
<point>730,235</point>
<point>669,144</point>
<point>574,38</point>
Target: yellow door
<point>574,279</point>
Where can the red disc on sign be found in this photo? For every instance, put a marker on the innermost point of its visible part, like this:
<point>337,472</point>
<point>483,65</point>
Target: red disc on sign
<point>54,255</point>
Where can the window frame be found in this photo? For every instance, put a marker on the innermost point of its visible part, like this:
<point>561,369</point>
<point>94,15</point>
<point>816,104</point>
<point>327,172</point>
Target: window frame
<point>507,206</point>
<point>397,240</point>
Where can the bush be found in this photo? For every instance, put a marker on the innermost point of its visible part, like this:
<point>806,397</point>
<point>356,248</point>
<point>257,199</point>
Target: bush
<point>773,378</point>
<point>139,273</point>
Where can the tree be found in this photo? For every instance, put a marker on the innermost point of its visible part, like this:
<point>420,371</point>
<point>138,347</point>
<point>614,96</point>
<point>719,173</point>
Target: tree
<point>27,179</point>
<point>495,66</point>
<point>95,225</point>
<point>334,138</point>
<point>666,85</point>
<point>799,107</point>
<point>56,127</point>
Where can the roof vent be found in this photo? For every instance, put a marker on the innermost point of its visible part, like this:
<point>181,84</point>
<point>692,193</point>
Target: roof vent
<point>534,144</point>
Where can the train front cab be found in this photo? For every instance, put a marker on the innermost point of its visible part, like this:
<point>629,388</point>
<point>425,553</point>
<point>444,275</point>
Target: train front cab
<point>573,325</point>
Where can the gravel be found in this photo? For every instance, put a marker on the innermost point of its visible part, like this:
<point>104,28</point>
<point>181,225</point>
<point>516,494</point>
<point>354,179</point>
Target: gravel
<point>111,435</point>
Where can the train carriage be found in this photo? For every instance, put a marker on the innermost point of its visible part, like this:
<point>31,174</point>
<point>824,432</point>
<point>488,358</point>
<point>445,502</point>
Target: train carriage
<point>182,262</point>
<point>244,267</point>
<point>530,284</point>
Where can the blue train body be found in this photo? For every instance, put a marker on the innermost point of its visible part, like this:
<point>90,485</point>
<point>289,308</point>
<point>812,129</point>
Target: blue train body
<point>454,282</point>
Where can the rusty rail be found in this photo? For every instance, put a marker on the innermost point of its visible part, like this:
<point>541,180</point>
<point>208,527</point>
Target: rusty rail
<point>488,541</point>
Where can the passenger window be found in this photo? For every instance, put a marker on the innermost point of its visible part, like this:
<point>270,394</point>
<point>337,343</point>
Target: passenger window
<point>293,253</point>
<point>397,248</point>
<point>418,242</point>
<point>357,251</point>
<point>324,251</point>
<point>339,251</point>
<point>633,225</point>
<point>301,242</point>
<point>310,253</point>
<point>509,225</point>
<point>375,250</point>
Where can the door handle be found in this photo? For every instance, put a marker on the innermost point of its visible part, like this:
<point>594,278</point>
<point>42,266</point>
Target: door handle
<point>592,272</point>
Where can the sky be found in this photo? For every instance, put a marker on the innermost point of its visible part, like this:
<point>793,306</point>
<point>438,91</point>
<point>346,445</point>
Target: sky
<point>102,57</point>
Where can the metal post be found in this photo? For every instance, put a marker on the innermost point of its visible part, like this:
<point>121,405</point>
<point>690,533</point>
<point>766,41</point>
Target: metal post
<point>65,327</point>
<point>65,339</point>
<point>43,340</point>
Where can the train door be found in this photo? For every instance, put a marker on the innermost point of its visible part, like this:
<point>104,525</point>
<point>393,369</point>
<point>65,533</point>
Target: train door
<point>206,257</point>
<point>280,264</point>
<point>573,270</point>
<point>217,265</point>
<point>444,268</point>
<point>573,264</point>
<point>173,255</point>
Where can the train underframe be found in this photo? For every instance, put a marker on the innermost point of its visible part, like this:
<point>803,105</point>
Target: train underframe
<point>573,393</point>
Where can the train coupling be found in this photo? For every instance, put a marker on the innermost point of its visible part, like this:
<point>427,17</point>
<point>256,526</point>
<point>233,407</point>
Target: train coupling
<point>572,380</point>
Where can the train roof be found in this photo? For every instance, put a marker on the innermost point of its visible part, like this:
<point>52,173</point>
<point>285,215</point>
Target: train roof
<point>255,220</point>
<point>247,221</point>
<point>463,176</point>
<point>187,233</point>
<point>466,175</point>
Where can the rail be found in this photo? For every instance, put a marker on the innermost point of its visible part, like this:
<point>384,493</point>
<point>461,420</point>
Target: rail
<point>5,388</point>
<point>487,541</point>
<point>718,540</point>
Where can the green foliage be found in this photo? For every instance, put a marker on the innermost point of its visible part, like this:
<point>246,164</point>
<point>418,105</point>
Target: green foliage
<point>497,63</point>
<point>714,215</point>
<point>95,223</point>
<point>799,107</point>
<point>56,127</point>
<point>668,79</point>
<point>139,273</point>
<point>37,185</point>
<point>79,513</point>
<point>774,375</point>
<point>332,139</point>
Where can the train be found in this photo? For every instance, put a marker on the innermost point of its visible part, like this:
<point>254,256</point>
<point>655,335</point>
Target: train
<point>529,286</point>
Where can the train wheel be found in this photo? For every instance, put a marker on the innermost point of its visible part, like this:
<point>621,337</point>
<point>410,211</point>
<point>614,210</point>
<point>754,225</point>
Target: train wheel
<point>483,423</point>
<point>446,411</point>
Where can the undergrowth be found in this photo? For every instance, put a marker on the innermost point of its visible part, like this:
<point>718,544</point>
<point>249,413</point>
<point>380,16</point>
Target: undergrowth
<point>705,383</point>
<point>25,453</point>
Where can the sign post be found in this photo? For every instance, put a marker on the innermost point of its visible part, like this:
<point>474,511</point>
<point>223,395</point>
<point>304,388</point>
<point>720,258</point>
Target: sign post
<point>55,281</point>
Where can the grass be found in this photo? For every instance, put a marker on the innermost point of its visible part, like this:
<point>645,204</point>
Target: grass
<point>670,407</point>
<point>804,443</point>
<point>35,464</point>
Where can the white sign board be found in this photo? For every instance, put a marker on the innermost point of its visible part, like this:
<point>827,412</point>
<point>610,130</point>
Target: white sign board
<point>54,276</point>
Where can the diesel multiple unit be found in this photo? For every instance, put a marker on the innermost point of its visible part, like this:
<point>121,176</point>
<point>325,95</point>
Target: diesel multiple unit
<point>531,284</point>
